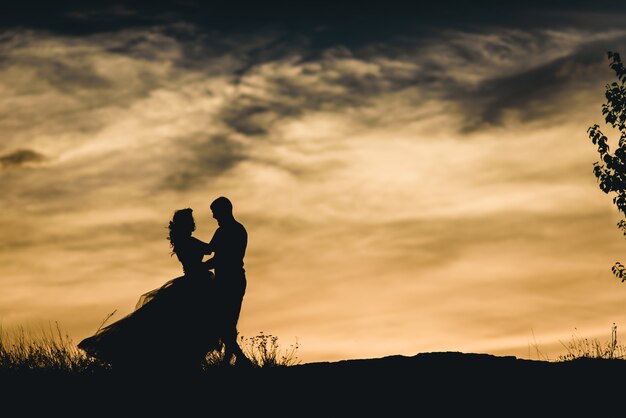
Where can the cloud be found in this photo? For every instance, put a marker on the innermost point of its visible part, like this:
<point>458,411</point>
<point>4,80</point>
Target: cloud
<point>64,74</point>
<point>203,159</point>
<point>108,12</point>
<point>270,93</point>
<point>178,107</point>
<point>488,77</point>
<point>109,108</point>
<point>21,158</point>
<point>537,91</point>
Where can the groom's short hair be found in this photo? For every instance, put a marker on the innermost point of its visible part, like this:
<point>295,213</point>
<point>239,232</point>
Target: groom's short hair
<point>222,204</point>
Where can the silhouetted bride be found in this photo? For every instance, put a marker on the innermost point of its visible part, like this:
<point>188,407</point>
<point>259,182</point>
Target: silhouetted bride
<point>173,326</point>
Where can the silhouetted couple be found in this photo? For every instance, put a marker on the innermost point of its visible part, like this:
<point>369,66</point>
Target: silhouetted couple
<point>178,324</point>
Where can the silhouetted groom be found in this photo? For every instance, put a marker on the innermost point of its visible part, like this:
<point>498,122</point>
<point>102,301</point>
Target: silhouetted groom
<point>228,246</point>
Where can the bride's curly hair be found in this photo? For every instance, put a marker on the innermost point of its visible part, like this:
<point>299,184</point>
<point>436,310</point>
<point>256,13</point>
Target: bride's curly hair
<point>181,226</point>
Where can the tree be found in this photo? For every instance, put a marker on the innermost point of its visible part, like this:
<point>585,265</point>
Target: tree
<point>610,171</point>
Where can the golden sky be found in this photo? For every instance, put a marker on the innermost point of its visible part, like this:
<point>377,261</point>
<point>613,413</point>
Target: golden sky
<point>426,190</point>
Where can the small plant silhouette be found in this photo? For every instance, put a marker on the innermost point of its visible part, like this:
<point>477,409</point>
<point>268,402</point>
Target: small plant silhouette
<point>585,348</point>
<point>48,350</point>
<point>262,349</point>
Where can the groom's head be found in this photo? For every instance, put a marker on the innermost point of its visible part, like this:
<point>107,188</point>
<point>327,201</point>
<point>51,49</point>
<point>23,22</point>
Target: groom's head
<point>222,209</point>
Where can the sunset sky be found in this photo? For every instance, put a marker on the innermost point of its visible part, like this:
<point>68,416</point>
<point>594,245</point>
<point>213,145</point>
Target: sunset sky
<point>412,178</point>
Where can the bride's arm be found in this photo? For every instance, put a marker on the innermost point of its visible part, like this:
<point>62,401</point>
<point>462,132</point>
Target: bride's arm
<point>205,248</point>
<point>210,263</point>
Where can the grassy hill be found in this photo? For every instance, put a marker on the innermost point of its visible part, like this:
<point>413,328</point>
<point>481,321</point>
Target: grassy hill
<point>53,378</point>
<point>427,384</point>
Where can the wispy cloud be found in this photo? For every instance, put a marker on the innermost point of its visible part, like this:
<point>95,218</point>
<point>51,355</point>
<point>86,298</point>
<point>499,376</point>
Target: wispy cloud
<point>555,65</point>
<point>20,158</point>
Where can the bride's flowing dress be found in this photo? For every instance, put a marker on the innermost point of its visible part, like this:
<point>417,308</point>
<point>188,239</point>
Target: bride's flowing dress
<point>175,325</point>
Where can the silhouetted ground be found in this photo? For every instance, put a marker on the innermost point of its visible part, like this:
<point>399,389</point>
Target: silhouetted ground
<point>428,384</point>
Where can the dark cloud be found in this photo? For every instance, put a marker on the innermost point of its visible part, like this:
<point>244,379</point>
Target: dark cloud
<point>67,75</point>
<point>334,80</point>
<point>253,117</point>
<point>201,159</point>
<point>64,68</point>
<point>350,21</point>
<point>322,39</point>
<point>56,84</point>
<point>66,71</point>
<point>143,45</point>
<point>105,13</point>
<point>341,78</point>
<point>20,158</point>
<point>537,92</point>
